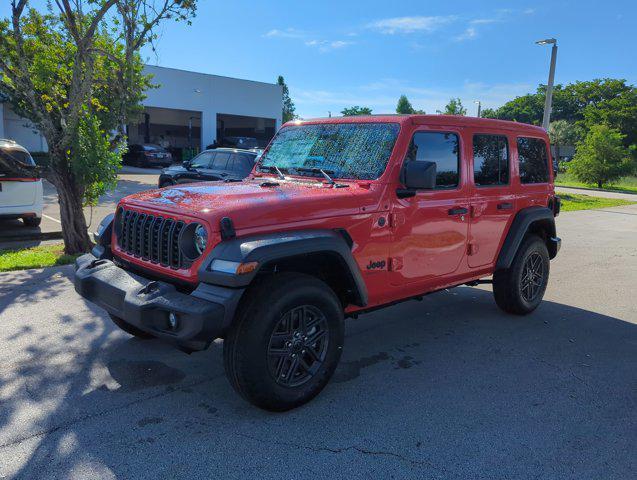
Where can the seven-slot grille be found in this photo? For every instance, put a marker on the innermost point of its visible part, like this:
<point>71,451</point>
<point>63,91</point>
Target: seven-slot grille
<point>152,237</point>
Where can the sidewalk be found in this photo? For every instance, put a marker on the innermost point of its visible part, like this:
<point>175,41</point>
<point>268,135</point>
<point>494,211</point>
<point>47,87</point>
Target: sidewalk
<point>597,193</point>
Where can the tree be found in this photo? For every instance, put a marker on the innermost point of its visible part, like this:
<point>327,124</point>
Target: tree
<point>454,107</point>
<point>602,157</point>
<point>75,72</point>
<point>288,105</point>
<point>563,133</point>
<point>404,106</point>
<point>356,110</point>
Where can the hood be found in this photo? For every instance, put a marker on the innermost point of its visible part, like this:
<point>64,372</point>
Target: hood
<point>249,204</point>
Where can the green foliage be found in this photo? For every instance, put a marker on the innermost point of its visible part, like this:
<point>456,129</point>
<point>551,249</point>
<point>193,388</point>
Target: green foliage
<point>562,132</point>
<point>601,157</point>
<point>94,161</point>
<point>454,107</point>
<point>573,201</point>
<point>356,110</point>
<point>404,106</point>
<point>35,257</point>
<point>583,103</point>
<point>289,108</point>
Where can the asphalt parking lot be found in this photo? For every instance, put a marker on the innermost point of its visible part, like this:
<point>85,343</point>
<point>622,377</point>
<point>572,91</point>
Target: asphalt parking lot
<point>449,387</point>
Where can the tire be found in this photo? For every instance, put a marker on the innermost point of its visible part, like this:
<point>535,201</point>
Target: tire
<point>166,183</point>
<point>266,362</point>
<point>514,291</point>
<point>130,329</point>
<point>32,221</point>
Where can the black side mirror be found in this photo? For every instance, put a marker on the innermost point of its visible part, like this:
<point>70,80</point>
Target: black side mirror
<point>186,164</point>
<point>419,175</point>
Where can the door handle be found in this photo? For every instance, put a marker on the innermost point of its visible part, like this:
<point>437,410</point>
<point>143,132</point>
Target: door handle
<point>505,206</point>
<point>458,211</point>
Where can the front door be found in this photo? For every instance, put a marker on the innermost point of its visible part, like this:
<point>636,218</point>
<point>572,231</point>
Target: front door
<point>492,202</point>
<point>430,228</point>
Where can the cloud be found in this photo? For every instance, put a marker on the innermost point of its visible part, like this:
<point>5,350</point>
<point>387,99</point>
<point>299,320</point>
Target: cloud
<point>327,45</point>
<point>468,34</point>
<point>287,33</point>
<point>381,96</point>
<point>391,26</point>
<point>484,21</point>
<point>529,11</point>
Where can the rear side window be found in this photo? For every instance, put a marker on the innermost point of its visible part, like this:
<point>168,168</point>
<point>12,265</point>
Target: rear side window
<point>220,161</point>
<point>490,160</point>
<point>441,148</point>
<point>241,163</point>
<point>534,166</point>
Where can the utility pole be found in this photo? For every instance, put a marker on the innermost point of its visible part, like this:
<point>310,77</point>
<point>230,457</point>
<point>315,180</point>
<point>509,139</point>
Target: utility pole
<point>479,104</point>
<point>548,102</point>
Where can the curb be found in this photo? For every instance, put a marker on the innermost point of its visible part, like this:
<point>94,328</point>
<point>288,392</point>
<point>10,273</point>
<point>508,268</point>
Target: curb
<point>593,189</point>
<point>31,237</point>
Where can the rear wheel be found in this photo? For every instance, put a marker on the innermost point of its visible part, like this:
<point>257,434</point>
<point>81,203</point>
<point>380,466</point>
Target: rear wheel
<point>286,341</point>
<point>520,288</point>
<point>32,221</point>
<point>130,329</point>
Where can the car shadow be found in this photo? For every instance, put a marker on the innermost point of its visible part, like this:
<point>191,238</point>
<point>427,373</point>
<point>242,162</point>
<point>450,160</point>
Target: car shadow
<point>449,387</point>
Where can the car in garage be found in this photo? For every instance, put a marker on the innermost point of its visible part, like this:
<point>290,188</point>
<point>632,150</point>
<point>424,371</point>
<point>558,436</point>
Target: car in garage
<point>20,190</point>
<point>220,164</point>
<point>147,155</point>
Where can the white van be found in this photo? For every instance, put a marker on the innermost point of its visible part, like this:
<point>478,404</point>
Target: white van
<point>20,195</point>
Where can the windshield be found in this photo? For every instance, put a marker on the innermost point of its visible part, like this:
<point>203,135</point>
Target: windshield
<point>343,150</point>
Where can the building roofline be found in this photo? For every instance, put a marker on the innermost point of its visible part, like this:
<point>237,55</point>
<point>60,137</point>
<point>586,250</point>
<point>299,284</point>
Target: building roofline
<point>211,74</point>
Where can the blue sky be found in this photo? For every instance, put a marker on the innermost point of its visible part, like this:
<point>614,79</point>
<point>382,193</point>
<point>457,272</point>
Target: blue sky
<point>335,54</point>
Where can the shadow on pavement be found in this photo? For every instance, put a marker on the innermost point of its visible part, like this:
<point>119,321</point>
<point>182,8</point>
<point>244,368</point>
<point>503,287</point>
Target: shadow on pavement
<point>449,387</point>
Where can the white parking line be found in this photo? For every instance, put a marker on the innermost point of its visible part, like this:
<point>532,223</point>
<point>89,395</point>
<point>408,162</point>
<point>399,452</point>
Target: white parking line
<point>51,218</point>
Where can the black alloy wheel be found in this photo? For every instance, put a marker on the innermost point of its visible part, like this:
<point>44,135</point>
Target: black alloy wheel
<point>298,346</point>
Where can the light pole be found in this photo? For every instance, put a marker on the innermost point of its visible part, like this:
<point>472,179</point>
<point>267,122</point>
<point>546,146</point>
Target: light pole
<point>548,102</point>
<point>477,102</point>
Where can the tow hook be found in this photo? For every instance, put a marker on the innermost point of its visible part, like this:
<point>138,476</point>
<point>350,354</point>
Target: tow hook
<point>96,262</point>
<point>149,288</point>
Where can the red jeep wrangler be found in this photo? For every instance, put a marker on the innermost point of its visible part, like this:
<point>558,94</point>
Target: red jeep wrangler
<point>339,216</point>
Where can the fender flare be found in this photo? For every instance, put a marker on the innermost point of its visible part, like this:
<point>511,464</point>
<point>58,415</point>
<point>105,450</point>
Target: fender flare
<point>268,248</point>
<point>521,224</point>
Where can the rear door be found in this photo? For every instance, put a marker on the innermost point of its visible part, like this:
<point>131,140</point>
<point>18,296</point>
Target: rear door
<point>17,190</point>
<point>240,166</point>
<point>493,202</point>
<point>217,169</point>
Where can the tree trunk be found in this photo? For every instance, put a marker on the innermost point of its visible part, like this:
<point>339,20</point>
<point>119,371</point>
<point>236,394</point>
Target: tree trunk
<point>74,229</point>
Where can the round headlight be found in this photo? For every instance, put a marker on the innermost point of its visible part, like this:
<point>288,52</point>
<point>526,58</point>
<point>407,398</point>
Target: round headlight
<point>201,238</point>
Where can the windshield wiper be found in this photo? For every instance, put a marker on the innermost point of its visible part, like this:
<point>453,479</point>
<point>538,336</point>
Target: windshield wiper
<point>275,169</point>
<point>325,173</point>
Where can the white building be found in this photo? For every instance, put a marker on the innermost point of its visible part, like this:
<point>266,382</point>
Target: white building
<point>188,110</point>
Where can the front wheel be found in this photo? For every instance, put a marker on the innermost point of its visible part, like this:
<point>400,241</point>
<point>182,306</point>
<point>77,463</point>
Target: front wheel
<point>520,288</point>
<point>286,341</point>
<point>32,221</point>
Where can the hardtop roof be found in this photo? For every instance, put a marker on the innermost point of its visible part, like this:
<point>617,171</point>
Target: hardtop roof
<point>438,120</point>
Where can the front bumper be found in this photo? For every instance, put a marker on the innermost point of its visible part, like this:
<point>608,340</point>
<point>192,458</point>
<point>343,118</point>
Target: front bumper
<point>202,316</point>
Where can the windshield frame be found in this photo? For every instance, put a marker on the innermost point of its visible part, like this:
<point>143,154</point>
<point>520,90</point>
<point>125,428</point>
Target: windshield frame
<point>293,172</point>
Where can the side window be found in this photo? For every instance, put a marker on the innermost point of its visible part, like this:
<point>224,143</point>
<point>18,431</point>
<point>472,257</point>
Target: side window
<point>441,148</point>
<point>533,160</point>
<point>490,160</point>
<point>203,160</point>
<point>221,160</point>
<point>242,163</point>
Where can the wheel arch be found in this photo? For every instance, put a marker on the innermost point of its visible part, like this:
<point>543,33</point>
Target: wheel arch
<point>536,220</point>
<point>325,254</point>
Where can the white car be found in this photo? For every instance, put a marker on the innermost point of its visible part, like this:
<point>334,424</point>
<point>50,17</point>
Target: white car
<point>20,195</point>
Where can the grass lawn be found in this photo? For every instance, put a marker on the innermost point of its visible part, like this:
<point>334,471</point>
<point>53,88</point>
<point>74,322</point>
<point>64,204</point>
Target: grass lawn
<point>626,184</point>
<point>35,257</point>
<point>572,202</point>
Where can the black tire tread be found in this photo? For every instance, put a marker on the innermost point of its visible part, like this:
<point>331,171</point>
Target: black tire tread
<point>505,290</point>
